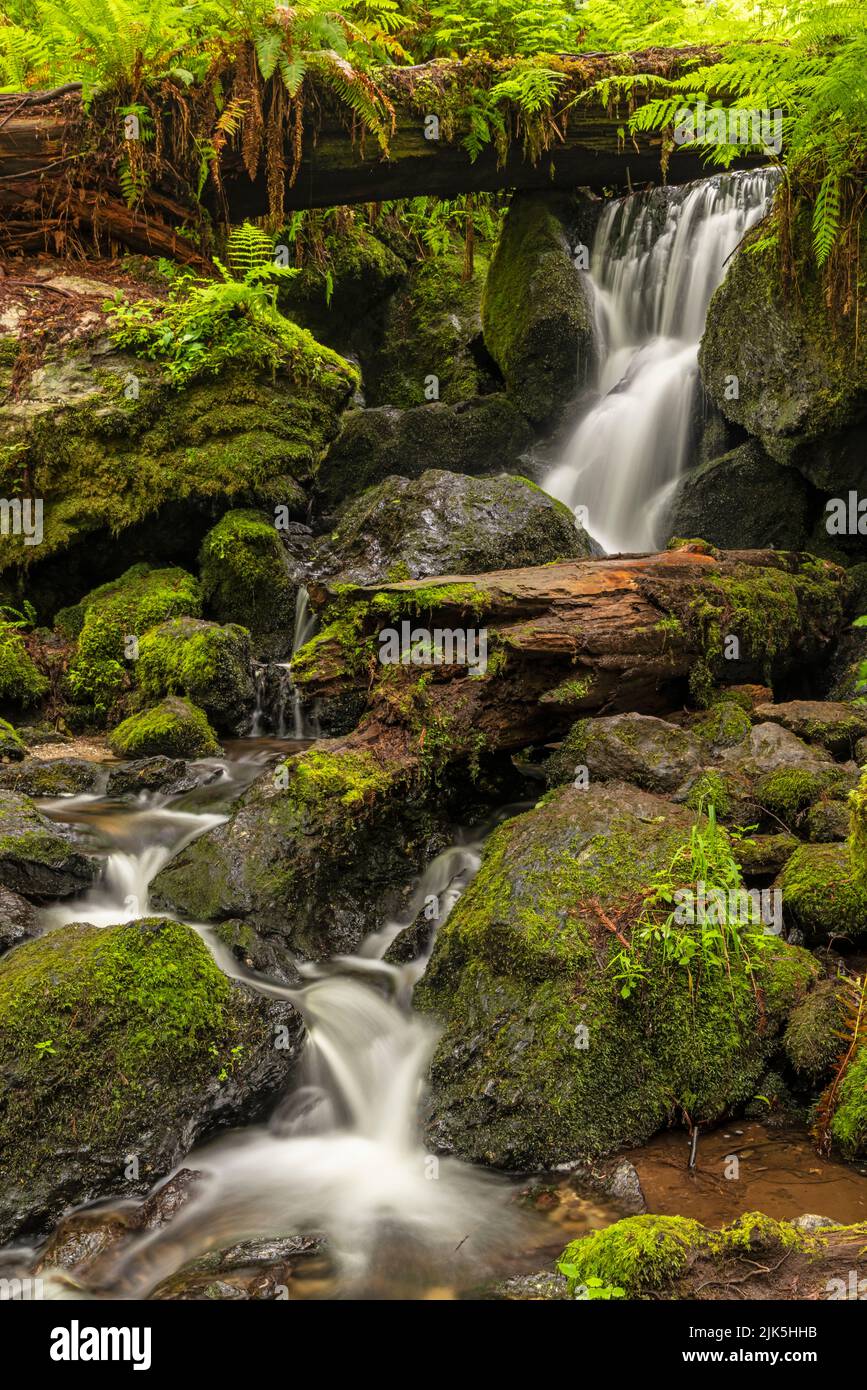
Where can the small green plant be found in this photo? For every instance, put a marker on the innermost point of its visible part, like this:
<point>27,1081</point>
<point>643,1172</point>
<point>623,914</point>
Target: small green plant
<point>45,1048</point>
<point>591,1289</point>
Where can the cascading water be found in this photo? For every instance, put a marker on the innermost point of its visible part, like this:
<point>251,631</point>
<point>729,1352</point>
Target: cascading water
<point>276,694</point>
<point>657,259</point>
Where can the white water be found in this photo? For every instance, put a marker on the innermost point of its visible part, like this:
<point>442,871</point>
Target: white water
<point>657,259</point>
<point>270,713</point>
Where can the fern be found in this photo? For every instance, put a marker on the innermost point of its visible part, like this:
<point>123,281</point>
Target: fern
<point>248,248</point>
<point>853,1035</point>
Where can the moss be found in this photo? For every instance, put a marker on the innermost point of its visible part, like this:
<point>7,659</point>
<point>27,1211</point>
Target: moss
<point>340,784</point>
<point>21,681</point>
<point>725,724</point>
<point>812,1036</point>
<point>643,1254</point>
<point>106,617</point>
<point>208,664</point>
<point>526,956</point>
<point>858,831</point>
<point>245,578</point>
<point>711,789</point>
<point>849,1125</point>
<point>790,790</point>
<point>821,895</point>
<point>175,728</point>
<point>12,747</point>
<point>94,1025</point>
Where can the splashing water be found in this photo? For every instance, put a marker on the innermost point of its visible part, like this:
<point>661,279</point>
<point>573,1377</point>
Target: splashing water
<point>657,259</point>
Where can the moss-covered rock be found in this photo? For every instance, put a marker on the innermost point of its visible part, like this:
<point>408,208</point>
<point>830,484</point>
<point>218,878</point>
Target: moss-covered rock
<point>176,728</point>
<point>37,857</point>
<point>21,682</point>
<point>119,1048</point>
<point>311,853</point>
<point>849,1124</point>
<point>725,725</point>
<point>105,619</point>
<point>12,747</point>
<point>822,897</point>
<point>537,318</point>
<point>763,856</point>
<point>644,1255</point>
<point>812,1037</point>
<point>542,1059</point>
<point>208,664</point>
<point>482,435</point>
<point>636,748</point>
<point>802,383</point>
<point>834,724</point>
<point>245,574</point>
<point>129,466</point>
<point>709,502</point>
<point>446,523</point>
<point>51,777</point>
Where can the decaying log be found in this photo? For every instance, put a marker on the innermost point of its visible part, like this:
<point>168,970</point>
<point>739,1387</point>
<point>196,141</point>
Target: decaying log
<point>643,633</point>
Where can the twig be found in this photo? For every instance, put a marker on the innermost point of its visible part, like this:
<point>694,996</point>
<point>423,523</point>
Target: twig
<point>606,921</point>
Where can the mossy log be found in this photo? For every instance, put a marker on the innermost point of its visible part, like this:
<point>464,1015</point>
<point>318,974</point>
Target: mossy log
<point>42,135</point>
<point>580,637</point>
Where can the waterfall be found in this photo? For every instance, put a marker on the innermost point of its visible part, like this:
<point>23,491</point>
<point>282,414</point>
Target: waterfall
<point>657,258</point>
<point>279,709</point>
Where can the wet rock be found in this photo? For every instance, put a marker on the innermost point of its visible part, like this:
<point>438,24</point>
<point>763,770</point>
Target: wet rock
<point>624,1187</point>
<point>265,1269</point>
<point>49,777</point>
<point>247,577</point>
<point>763,856</point>
<point>542,1058</point>
<point>826,821</point>
<point>37,857</point>
<point>545,1286</point>
<point>636,748</point>
<point>709,502</point>
<point>157,774</point>
<point>725,725</point>
<point>446,523</point>
<point>12,747</point>
<point>538,321</point>
<point>478,436</point>
<point>17,919</point>
<point>834,724</point>
<point>811,1040</point>
<point>86,1243</point>
<point>120,1048</point>
<point>174,729</point>
<point>311,854</point>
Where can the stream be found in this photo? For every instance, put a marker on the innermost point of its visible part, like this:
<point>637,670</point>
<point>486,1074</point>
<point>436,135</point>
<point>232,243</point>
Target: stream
<point>341,1155</point>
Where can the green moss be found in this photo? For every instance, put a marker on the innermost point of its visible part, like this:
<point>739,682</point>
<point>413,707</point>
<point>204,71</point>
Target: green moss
<point>21,681</point>
<point>11,743</point>
<point>849,1125</point>
<point>711,789</point>
<point>106,617</point>
<point>337,785</point>
<point>858,831</point>
<point>724,725</point>
<point>812,1036</point>
<point>822,895</point>
<point>95,1024</point>
<point>643,1254</point>
<point>175,728</point>
<point>245,578</point>
<point>209,664</point>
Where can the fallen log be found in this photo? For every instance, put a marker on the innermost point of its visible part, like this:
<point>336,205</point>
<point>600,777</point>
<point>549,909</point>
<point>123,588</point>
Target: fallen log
<point>577,143</point>
<point>642,633</point>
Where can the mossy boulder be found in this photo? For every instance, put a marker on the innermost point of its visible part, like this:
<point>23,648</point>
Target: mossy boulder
<point>246,575</point>
<point>311,854</point>
<point>849,1124</point>
<point>763,856</point>
<point>105,619</point>
<point>21,682</point>
<point>208,664</point>
<point>52,777</point>
<point>119,1049</point>
<point>538,321</point>
<point>446,523</point>
<point>38,858</point>
<point>432,329</point>
<point>709,502</point>
<point>812,1037</point>
<point>725,725</point>
<point>12,747</point>
<point>802,382</point>
<point>636,748</point>
<point>131,467</point>
<point>484,435</point>
<point>542,1059</point>
<point>175,728</point>
<point>822,897</point>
